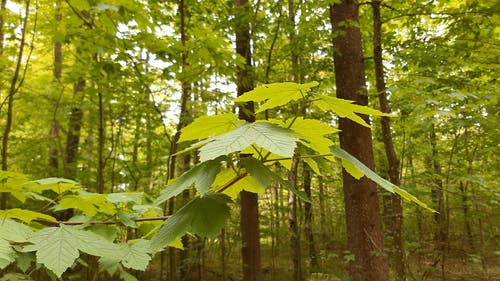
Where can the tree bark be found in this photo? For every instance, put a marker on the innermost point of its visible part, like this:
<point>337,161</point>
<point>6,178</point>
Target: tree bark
<point>440,235</point>
<point>308,217</point>
<point>395,212</point>
<point>54,153</point>
<point>293,223</point>
<point>249,209</point>
<point>73,135</point>
<point>14,87</point>
<point>293,227</point>
<point>364,226</point>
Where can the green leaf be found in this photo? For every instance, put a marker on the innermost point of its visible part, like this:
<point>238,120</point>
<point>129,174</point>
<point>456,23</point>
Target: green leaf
<point>7,254</point>
<point>209,126</point>
<point>202,176</point>
<point>14,231</point>
<point>12,182</point>
<point>313,133</point>
<point>24,261</point>
<point>258,171</point>
<point>58,247</point>
<point>346,109</point>
<point>125,197</point>
<point>89,203</point>
<point>24,215</point>
<point>126,219</point>
<point>136,254</point>
<point>15,277</point>
<point>276,94</point>
<point>202,215</point>
<point>55,249</point>
<point>58,185</point>
<point>236,182</point>
<point>266,135</point>
<point>127,276</point>
<point>300,193</point>
<point>385,184</point>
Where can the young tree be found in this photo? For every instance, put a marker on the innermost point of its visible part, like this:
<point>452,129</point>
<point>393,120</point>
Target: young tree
<point>15,83</point>
<point>392,202</point>
<point>364,226</point>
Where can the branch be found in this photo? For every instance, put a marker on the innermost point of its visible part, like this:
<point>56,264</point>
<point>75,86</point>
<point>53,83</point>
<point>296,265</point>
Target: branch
<point>437,13</point>
<point>300,157</point>
<point>47,222</point>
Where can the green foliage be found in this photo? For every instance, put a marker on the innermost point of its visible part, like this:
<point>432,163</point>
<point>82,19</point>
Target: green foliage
<point>277,94</point>
<point>265,135</point>
<point>363,170</point>
<point>201,176</point>
<point>58,247</point>
<point>203,216</point>
<point>233,157</point>
<point>346,109</point>
<point>209,126</point>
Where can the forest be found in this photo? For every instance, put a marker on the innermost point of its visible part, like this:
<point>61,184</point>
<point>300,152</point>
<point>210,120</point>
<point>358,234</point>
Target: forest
<point>253,140</point>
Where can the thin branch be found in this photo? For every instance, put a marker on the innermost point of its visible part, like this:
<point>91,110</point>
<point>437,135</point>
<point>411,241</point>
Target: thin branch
<point>47,222</point>
<point>299,157</point>
<point>438,14</point>
<point>231,182</point>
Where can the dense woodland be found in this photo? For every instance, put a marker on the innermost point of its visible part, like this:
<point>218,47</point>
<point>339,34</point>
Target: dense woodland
<point>231,140</point>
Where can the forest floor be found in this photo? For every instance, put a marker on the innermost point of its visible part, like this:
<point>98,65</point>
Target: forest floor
<point>424,265</point>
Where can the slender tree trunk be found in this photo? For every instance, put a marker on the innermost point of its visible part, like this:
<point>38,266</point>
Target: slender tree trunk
<point>308,217</point>
<point>3,9</point>
<point>249,209</point>
<point>464,192</point>
<point>364,226</point>
<point>322,209</point>
<point>293,227</point>
<point>14,87</point>
<point>223,254</point>
<point>438,200</point>
<point>101,139</point>
<point>54,153</point>
<point>73,135</point>
<point>395,224</point>
<point>183,121</point>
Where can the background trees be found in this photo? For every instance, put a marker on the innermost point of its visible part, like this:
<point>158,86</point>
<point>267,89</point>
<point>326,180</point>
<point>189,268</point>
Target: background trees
<point>97,92</point>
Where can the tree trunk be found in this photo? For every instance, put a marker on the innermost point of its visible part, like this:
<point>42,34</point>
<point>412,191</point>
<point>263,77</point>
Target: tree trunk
<point>395,217</point>
<point>308,217</point>
<point>293,227</point>
<point>292,176</point>
<point>55,126</point>
<point>101,139</point>
<point>249,209</point>
<point>73,135</point>
<point>438,200</point>
<point>14,87</point>
<point>364,226</point>
<point>322,209</point>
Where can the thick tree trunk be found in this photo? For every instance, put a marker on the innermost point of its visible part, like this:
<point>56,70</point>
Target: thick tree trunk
<point>249,209</point>
<point>364,226</point>
<point>395,212</point>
